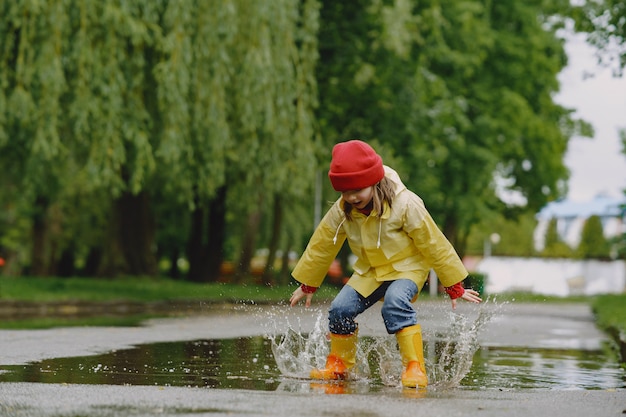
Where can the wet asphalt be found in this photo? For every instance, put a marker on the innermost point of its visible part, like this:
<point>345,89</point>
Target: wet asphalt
<point>538,325</point>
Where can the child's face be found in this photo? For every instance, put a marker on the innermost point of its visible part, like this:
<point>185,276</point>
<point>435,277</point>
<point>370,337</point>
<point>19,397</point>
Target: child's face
<point>359,198</point>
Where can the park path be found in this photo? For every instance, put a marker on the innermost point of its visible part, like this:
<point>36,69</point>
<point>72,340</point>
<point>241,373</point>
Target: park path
<point>541,325</point>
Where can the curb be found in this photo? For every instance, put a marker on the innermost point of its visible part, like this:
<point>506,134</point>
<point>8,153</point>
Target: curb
<point>620,340</point>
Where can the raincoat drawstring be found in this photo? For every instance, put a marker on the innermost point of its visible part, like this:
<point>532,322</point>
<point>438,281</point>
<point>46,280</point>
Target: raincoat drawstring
<point>337,231</point>
<point>380,230</point>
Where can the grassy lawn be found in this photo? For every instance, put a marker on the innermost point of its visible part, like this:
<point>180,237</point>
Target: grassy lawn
<point>142,290</point>
<point>610,312</point>
<point>131,290</point>
<point>134,289</point>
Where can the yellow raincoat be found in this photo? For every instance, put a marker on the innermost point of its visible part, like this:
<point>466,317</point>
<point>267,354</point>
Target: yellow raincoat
<point>404,243</point>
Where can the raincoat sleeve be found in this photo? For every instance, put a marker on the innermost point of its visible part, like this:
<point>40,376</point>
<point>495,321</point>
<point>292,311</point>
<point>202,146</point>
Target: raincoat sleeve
<point>433,244</point>
<point>322,249</point>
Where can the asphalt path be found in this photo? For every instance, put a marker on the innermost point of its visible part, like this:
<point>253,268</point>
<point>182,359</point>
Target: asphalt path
<point>514,325</point>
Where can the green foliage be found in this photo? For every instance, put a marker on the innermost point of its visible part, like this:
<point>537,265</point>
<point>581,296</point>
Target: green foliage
<point>140,289</point>
<point>618,244</point>
<point>610,312</point>
<point>477,282</point>
<point>529,297</point>
<point>618,247</point>
<point>604,23</point>
<point>465,89</point>
<point>554,247</point>
<point>593,244</point>
<point>516,235</point>
<point>167,99</point>
<point>133,320</point>
<point>558,250</point>
<point>118,120</point>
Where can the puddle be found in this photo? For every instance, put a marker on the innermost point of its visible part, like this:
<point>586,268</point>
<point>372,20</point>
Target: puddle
<point>249,363</point>
<point>245,363</point>
<point>282,360</point>
<point>515,368</point>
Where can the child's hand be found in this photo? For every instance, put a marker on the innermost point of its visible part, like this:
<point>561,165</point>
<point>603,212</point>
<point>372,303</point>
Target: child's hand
<point>469,295</point>
<point>299,294</point>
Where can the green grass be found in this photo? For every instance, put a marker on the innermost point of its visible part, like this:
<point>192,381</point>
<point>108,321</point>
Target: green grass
<point>525,297</point>
<point>141,290</point>
<point>610,312</point>
<point>35,290</point>
<point>133,320</point>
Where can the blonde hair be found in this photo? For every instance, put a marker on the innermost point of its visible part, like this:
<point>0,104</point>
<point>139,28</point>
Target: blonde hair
<point>384,191</point>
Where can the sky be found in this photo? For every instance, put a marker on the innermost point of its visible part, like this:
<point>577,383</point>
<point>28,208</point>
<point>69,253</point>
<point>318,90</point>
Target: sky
<point>597,165</point>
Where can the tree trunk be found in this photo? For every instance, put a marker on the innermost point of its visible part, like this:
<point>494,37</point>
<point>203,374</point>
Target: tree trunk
<point>137,233</point>
<point>216,231</point>
<point>268,273</point>
<point>451,230</point>
<point>248,246</point>
<point>92,264</point>
<point>39,257</point>
<point>206,240</point>
<point>285,270</point>
<point>195,246</point>
<point>65,266</point>
<point>131,239</point>
<point>174,271</point>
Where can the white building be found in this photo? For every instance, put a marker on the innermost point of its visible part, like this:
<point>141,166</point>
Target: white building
<point>560,277</point>
<point>571,217</point>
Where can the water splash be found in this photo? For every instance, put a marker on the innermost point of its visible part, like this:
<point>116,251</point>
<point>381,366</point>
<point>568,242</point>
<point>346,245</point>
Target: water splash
<point>455,348</point>
<point>296,353</point>
<point>448,351</point>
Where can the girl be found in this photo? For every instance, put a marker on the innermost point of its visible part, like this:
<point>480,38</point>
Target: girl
<point>396,243</point>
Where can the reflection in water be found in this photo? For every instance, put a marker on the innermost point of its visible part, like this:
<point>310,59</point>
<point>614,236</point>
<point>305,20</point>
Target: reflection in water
<point>543,368</point>
<point>244,363</point>
<point>281,363</point>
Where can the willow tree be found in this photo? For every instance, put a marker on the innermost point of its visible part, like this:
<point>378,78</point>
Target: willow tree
<point>32,84</point>
<point>111,49</point>
<point>273,99</point>
<point>141,107</point>
<point>76,124</point>
<point>245,100</point>
<point>194,77</point>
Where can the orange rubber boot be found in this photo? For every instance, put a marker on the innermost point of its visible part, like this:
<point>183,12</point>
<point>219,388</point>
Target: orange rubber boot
<point>341,358</point>
<point>412,352</point>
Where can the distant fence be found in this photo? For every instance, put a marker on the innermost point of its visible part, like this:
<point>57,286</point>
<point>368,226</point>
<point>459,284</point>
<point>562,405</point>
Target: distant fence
<point>560,277</point>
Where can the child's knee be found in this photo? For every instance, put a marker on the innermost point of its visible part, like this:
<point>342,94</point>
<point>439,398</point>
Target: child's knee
<point>340,311</point>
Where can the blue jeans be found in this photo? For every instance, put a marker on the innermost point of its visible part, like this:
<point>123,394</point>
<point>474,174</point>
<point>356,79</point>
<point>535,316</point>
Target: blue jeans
<point>397,311</point>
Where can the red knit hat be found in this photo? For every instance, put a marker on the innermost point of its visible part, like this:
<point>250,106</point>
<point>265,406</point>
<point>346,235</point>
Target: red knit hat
<point>355,165</point>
